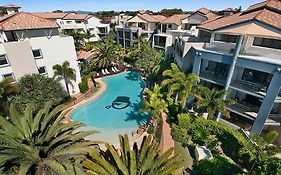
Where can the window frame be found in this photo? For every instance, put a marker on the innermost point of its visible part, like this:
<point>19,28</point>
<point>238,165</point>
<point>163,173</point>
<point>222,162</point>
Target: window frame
<point>46,72</point>
<point>37,57</point>
<point>7,60</point>
<point>225,38</point>
<point>12,74</point>
<point>273,45</point>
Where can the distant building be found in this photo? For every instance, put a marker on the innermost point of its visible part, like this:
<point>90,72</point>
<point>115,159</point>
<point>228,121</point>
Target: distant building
<point>73,21</point>
<point>31,44</point>
<point>11,8</point>
<point>120,20</point>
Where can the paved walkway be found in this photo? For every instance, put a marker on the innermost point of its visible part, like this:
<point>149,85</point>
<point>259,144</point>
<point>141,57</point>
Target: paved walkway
<point>167,141</point>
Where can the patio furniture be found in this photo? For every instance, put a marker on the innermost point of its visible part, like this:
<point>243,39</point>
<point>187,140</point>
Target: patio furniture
<point>106,71</point>
<point>103,72</point>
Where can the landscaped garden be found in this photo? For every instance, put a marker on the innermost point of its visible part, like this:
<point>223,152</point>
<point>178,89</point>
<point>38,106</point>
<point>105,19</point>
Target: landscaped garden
<point>35,139</point>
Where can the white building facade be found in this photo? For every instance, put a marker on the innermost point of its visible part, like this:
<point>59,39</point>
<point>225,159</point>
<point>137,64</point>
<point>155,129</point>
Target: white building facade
<point>34,46</point>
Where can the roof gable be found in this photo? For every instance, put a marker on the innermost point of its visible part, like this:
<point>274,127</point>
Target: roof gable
<point>24,21</point>
<point>175,19</point>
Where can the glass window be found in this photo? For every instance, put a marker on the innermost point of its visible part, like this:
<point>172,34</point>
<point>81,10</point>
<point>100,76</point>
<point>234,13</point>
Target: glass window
<point>170,26</point>
<point>10,75</point>
<point>257,77</point>
<point>3,60</point>
<point>225,38</point>
<point>266,42</point>
<point>37,53</point>
<point>42,70</point>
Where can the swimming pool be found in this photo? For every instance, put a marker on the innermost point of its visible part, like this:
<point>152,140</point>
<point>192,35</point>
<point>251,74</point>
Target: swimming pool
<point>112,122</point>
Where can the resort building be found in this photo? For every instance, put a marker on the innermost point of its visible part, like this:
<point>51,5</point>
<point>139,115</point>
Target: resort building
<point>142,25</point>
<point>83,22</point>
<point>241,54</point>
<point>31,44</point>
<point>120,20</point>
<point>179,25</point>
<point>9,9</point>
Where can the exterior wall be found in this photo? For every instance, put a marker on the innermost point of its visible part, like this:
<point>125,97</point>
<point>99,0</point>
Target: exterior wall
<point>55,50</point>
<point>194,19</point>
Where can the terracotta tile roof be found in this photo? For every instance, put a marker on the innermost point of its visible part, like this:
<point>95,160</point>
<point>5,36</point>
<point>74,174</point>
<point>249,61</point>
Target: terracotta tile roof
<point>160,18</point>
<point>229,10</point>
<point>147,17</point>
<point>77,16</point>
<point>49,15</point>
<point>82,54</point>
<point>22,21</point>
<point>203,10</point>
<point>176,19</point>
<point>264,12</point>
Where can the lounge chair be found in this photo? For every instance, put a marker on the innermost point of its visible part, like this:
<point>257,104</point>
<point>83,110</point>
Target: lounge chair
<point>113,69</point>
<point>98,74</point>
<point>116,69</point>
<point>103,72</point>
<point>106,71</point>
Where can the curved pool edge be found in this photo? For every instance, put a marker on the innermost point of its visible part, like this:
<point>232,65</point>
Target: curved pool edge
<point>84,102</point>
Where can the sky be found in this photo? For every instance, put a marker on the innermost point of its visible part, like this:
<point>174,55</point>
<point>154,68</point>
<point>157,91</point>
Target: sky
<point>119,5</point>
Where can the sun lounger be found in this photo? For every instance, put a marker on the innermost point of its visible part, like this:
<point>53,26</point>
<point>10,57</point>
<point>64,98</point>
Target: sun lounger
<point>116,69</point>
<point>113,69</point>
<point>98,74</point>
<point>103,72</point>
<point>106,71</point>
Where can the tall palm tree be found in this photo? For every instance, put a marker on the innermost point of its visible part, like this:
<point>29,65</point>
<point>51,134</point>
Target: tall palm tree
<point>212,101</point>
<point>65,73</point>
<point>41,143</point>
<point>105,55</point>
<point>146,160</point>
<point>179,85</point>
<point>88,34</point>
<point>154,102</point>
<point>78,38</point>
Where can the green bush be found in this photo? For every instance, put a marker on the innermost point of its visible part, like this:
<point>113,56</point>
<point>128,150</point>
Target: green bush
<point>38,89</point>
<point>233,143</point>
<point>270,166</point>
<point>83,86</point>
<point>218,165</point>
<point>151,129</point>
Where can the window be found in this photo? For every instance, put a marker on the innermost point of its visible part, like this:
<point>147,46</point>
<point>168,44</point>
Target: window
<point>9,75</point>
<point>225,38</point>
<point>78,22</point>
<point>266,42</point>
<point>257,77</point>
<point>42,70</point>
<point>170,26</point>
<point>68,22</point>
<point>37,53</point>
<point>3,60</point>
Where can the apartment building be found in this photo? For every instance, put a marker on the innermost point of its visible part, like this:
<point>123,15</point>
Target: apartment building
<point>241,53</point>
<point>31,44</point>
<point>120,20</point>
<point>9,9</point>
<point>142,25</point>
<point>83,22</point>
<point>180,25</point>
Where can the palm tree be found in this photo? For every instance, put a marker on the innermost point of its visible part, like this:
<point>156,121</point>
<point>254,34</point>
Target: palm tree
<point>212,101</point>
<point>88,47</point>
<point>180,85</point>
<point>146,160</point>
<point>105,55</point>
<point>8,87</point>
<point>154,102</point>
<point>88,34</point>
<point>64,72</point>
<point>78,38</point>
<point>41,143</point>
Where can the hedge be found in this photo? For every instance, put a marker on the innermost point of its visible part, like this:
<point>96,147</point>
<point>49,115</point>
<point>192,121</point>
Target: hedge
<point>233,143</point>
<point>83,86</point>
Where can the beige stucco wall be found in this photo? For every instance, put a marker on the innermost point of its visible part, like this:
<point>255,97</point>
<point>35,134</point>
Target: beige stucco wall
<point>20,58</point>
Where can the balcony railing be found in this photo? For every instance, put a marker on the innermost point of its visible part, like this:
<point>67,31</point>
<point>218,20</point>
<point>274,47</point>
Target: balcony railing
<point>160,44</point>
<point>213,75</point>
<point>249,86</point>
<point>245,109</point>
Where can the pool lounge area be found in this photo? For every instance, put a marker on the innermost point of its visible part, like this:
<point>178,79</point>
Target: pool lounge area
<point>124,117</point>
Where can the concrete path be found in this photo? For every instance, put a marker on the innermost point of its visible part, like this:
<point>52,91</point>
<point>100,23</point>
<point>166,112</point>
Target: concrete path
<point>167,141</point>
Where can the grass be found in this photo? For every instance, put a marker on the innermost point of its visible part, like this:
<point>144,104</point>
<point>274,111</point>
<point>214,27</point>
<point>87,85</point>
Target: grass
<point>184,154</point>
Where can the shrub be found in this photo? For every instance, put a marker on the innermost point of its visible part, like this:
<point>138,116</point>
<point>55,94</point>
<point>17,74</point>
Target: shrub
<point>83,86</point>
<point>38,89</point>
<point>218,165</point>
<point>151,129</point>
<point>270,166</point>
<point>233,143</point>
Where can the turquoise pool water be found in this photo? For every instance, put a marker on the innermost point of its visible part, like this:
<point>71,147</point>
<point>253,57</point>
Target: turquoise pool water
<point>111,122</point>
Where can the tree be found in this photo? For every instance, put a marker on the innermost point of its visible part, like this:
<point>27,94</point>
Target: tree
<point>146,160</point>
<point>105,55</point>
<point>78,38</point>
<point>180,86</point>
<point>88,34</point>
<point>65,73</point>
<point>38,89</point>
<point>88,47</point>
<point>170,12</point>
<point>212,101</point>
<point>41,143</point>
<point>154,102</point>
<point>7,88</point>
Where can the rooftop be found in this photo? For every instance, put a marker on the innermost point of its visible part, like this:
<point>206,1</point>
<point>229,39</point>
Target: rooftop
<point>24,21</point>
<point>176,19</point>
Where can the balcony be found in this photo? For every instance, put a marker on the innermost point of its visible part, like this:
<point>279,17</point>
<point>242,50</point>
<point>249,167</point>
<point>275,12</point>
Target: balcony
<point>244,109</point>
<point>213,77</point>
<point>249,87</point>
